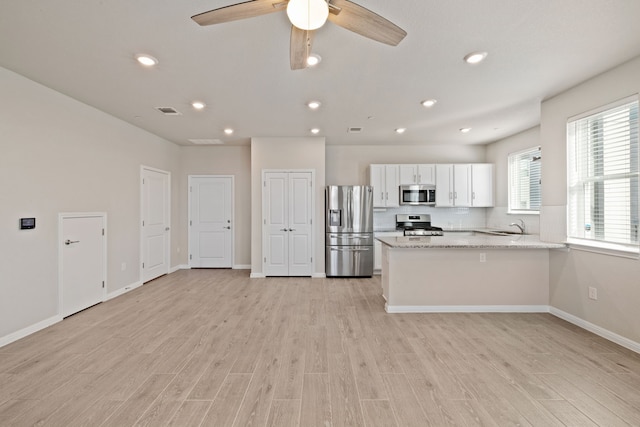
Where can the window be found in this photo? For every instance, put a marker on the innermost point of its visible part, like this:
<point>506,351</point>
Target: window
<point>524,181</point>
<point>602,166</point>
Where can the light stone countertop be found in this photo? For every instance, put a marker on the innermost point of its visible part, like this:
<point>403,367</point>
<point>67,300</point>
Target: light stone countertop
<point>487,241</point>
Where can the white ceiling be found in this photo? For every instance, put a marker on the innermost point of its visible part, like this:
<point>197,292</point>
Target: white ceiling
<point>537,48</point>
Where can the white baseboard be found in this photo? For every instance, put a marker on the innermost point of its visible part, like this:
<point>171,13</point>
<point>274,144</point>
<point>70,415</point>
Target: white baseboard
<point>604,333</point>
<point>466,308</point>
<point>257,276</point>
<point>318,276</point>
<point>242,267</point>
<point>15,336</point>
<point>179,267</point>
<point>124,290</point>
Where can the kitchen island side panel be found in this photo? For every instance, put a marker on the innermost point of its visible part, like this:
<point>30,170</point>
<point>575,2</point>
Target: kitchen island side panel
<point>425,279</point>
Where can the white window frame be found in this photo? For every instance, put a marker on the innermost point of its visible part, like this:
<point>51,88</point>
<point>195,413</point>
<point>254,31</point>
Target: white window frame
<point>598,245</point>
<point>512,177</point>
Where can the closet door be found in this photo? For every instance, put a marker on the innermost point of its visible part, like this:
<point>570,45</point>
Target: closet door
<point>288,221</point>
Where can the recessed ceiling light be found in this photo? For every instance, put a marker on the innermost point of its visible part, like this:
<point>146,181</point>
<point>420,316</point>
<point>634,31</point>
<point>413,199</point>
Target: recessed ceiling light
<point>475,57</point>
<point>313,59</point>
<point>315,131</point>
<point>314,105</point>
<point>146,60</point>
<point>228,131</point>
<point>401,130</point>
<point>198,105</point>
<point>465,130</point>
<point>429,103</point>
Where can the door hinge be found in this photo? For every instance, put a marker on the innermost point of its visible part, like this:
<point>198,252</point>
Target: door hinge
<point>311,259</point>
<point>143,223</point>
<point>265,221</point>
<point>103,231</point>
<point>265,259</point>
<point>190,189</point>
<point>310,183</point>
<point>190,256</point>
<point>142,180</point>
<point>311,222</point>
<point>190,222</point>
<point>143,265</point>
<point>103,284</point>
<point>265,183</point>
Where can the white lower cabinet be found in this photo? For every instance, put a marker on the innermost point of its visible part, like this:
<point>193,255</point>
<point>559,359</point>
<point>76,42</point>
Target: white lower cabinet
<point>377,248</point>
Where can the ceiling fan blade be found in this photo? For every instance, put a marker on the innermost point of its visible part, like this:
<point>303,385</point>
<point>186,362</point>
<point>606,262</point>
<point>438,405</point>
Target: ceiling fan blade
<point>248,9</point>
<point>362,21</point>
<point>300,48</point>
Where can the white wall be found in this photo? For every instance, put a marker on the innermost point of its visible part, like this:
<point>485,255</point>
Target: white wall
<point>571,274</point>
<point>498,153</point>
<point>59,155</point>
<point>234,161</point>
<point>286,154</point>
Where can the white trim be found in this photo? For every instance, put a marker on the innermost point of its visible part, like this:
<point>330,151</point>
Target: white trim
<point>179,267</point>
<point>604,333</point>
<point>65,215</point>
<point>141,234</point>
<point>233,214</point>
<point>603,248</point>
<point>15,336</point>
<point>242,267</point>
<point>257,276</point>
<point>466,308</point>
<point>626,100</point>
<point>122,291</point>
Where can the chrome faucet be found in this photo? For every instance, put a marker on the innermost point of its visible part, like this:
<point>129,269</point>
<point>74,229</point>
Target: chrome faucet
<point>520,226</point>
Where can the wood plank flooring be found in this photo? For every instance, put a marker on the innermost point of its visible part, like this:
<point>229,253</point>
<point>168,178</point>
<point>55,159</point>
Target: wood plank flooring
<point>215,348</point>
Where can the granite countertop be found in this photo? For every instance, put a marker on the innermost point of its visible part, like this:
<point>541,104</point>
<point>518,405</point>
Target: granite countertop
<point>515,241</point>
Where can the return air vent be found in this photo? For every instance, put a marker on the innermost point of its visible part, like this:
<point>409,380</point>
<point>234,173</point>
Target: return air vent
<point>169,111</point>
<point>354,130</point>
<point>206,141</point>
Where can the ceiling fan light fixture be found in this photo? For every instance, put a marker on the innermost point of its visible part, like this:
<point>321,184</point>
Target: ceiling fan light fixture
<point>308,14</point>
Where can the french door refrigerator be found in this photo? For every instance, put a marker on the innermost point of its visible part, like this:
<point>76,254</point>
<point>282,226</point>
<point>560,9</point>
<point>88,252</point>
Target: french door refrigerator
<point>349,231</point>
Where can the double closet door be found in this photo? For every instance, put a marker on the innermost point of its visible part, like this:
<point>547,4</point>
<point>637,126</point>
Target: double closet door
<point>287,223</point>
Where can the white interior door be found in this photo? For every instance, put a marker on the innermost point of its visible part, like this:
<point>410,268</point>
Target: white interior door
<point>210,221</point>
<point>300,224</point>
<point>276,223</point>
<point>288,224</point>
<point>155,223</point>
<point>82,262</point>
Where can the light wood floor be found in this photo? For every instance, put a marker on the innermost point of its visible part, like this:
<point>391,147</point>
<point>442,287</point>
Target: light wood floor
<point>215,348</point>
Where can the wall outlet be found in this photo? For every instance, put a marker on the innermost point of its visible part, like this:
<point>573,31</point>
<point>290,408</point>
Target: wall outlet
<point>483,257</point>
<point>593,293</point>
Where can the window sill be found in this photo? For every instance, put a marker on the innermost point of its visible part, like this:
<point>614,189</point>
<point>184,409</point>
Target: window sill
<point>612,249</point>
<point>523,212</point>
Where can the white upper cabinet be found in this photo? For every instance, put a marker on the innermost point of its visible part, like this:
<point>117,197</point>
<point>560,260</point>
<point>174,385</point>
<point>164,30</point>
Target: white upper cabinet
<point>482,185</point>
<point>469,185</point>
<point>385,180</point>
<point>417,174</point>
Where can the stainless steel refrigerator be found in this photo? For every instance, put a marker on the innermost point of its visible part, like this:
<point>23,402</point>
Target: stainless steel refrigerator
<point>349,231</point>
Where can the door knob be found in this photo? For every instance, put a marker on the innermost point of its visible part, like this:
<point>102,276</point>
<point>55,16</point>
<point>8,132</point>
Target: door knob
<point>69,242</point>
<point>228,228</point>
<point>167,229</point>
<point>292,229</point>
<point>283,229</point>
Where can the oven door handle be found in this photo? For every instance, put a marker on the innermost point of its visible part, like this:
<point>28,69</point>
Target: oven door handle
<point>350,249</point>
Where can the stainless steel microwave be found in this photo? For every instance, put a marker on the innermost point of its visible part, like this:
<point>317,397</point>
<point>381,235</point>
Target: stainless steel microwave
<point>417,194</point>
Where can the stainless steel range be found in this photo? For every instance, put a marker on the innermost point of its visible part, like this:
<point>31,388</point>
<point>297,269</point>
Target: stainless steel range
<point>417,225</point>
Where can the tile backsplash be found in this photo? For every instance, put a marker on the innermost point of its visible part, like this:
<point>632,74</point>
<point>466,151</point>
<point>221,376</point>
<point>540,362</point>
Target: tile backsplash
<point>447,218</point>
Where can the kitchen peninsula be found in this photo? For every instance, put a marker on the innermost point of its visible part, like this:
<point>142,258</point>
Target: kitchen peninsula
<point>471,273</point>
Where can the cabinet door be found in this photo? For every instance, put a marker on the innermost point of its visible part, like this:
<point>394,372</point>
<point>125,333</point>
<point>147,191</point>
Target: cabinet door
<point>377,181</point>
<point>462,185</point>
<point>426,174</point>
<point>444,185</point>
<point>482,185</point>
<point>408,174</point>
<point>392,190</point>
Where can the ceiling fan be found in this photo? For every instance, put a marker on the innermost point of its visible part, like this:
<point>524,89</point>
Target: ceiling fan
<point>344,13</point>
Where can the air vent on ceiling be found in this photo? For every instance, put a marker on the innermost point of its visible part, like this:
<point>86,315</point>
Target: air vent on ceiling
<point>169,111</point>
<point>206,141</point>
<point>354,130</point>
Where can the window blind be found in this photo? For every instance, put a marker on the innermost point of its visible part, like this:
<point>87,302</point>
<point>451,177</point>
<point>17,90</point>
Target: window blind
<point>524,170</point>
<point>602,195</point>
